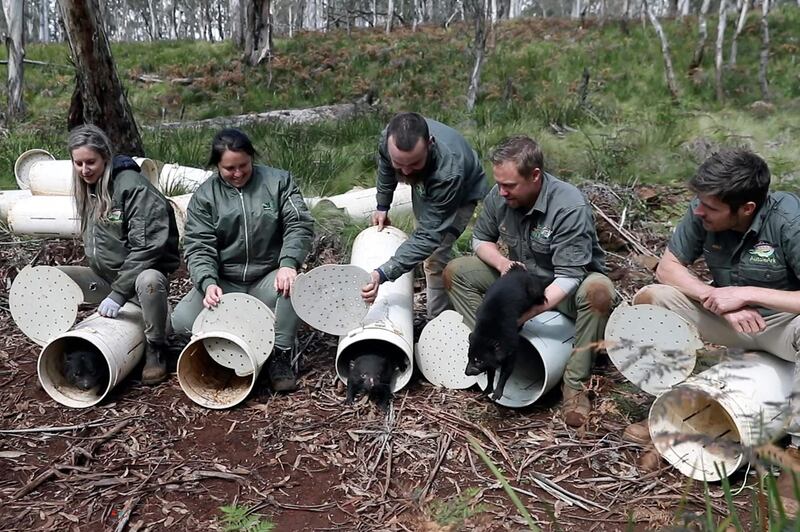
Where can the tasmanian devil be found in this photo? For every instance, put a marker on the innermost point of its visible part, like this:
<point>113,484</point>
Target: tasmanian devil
<point>371,372</point>
<point>494,342</point>
<point>84,367</point>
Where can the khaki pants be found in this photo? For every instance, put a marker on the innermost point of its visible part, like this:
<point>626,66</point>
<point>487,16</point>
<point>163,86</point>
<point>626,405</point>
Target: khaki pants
<point>780,338</point>
<point>152,289</point>
<point>286,320</point>
<point>468,278</point>
<point>434,265</point>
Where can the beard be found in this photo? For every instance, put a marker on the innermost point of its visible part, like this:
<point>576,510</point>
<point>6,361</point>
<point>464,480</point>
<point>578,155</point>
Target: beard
<point>418,176</point>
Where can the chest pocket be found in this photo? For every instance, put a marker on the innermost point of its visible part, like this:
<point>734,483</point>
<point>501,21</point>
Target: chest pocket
<point>765,276</point>
<point>541,251</point>
<point>512,242</point>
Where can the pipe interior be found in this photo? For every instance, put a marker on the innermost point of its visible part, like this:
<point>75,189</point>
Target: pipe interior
<point>372,346</point>
<point>52,373</point>
<point>527,380</point>
<point>701,433</point>
<point>209,383</point>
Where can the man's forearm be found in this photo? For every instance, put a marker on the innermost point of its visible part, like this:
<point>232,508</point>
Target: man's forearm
<point>554,294</point>
<point>780,300</point>
<point>489,253</point>
<point>673,273</point>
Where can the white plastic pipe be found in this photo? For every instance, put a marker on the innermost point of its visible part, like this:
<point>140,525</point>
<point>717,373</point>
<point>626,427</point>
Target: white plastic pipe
<point>52,216</point>
<point>185,177</point>
<point>209,383</point>
<point>702,425</point>
<point>7,200</point>
<point>389,324</point>
<point>54,178</point>
<point>360,204</point>
<point>180,204</point>
<point>120,340</point>
<point>541,361</point>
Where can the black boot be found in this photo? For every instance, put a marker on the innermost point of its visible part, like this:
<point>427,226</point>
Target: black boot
<point>155,364</point>
<point>282,376</point>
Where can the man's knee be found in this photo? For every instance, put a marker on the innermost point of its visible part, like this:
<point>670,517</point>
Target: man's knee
<point>597,294</point>
<point>654,294</point>
<point>151,282</point>
<point>454,271</point>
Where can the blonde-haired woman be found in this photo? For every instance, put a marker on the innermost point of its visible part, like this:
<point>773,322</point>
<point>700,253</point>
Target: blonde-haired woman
<point>130,239</point>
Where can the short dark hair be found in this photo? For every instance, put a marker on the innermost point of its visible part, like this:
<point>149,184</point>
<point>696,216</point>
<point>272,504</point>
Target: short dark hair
<point>733,176</point>
<point>230,139</point>
<point>407,129</point>
<point>522,150</point>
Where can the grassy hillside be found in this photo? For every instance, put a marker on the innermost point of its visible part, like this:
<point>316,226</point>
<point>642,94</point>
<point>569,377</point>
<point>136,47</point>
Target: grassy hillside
<point>626,130</point>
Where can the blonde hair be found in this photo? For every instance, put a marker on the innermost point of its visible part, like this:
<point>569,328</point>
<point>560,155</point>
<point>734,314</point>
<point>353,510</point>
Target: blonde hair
<point>92,137</point>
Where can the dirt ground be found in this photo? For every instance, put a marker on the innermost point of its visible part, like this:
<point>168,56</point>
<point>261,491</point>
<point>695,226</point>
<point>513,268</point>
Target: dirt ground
<point>151,459</point>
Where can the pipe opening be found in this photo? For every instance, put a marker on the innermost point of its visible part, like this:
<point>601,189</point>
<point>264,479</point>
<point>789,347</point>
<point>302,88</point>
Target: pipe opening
<point>74,372</point>
<point>527,381</point>
<point>392,353</point>
<point>693,431</point>
<point>209,383</point>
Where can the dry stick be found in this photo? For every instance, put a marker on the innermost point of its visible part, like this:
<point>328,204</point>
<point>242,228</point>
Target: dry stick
<point>126,513</point>
<point>444,447</point>
<point>66,428</point>
<point>624,233</point>
<point>486,432</point>
<point>53,471</point>
<point>566,493</point>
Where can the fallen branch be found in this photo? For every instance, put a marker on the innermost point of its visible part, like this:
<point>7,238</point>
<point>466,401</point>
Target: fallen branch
<point>312,115</point>
<point>76,453</point>
<point>624,233</point>
<point>65,428</point>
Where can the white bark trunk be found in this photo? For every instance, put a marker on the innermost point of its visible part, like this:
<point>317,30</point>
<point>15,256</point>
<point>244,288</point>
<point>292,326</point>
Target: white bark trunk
<point>762,67</point>
<point>723,21</point>
<point>702,36</point>
<point>739,27</point>
<point>13,10</point>
<point>672,85</point>
<point>151,4</point>
<point>44,21</point>
<point>576,9</point>
<point>389,16</point>
<point>235,20</point>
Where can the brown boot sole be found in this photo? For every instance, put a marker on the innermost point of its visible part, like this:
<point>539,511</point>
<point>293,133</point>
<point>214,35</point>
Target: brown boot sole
<point>151,380</point>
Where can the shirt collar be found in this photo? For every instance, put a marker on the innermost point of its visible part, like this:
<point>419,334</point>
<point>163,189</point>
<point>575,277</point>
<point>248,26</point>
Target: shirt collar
<point>761,216</point>
<point>540,204</point>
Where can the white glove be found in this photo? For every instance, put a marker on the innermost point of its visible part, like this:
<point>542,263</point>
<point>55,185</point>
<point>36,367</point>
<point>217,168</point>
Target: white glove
<point>109,308</point>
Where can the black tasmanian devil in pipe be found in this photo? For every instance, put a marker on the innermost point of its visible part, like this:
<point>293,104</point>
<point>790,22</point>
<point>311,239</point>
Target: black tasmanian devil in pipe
<point>370,372</point>
<point>494,342</point>
<point>83,365</point>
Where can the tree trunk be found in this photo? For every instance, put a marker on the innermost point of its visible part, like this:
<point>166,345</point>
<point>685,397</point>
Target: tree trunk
<point>702,31</point>
<point>257,31</point>
<point>154,35</point>
<point>723,21</point>
<point>13,10</point>
<point>762,66</point>
<point>236,23</point>
<point>479,49</point>
<point>99,98</point>
<point>44,21</point>
<point>672,85</point>
<point>389,16</point>
<point>739,27</point>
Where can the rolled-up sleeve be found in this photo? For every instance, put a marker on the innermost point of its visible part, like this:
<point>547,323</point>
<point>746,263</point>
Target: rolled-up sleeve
<point>687,240</point>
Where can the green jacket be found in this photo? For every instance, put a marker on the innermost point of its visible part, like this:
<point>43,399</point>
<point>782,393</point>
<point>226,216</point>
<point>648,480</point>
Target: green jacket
<point>241,235</point>
<point>767,255</point>
<point>456,179</point>
<point>139,234</point>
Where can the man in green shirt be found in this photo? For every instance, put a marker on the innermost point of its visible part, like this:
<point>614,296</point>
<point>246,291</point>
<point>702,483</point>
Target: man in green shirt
<point>447,182</point>
<point>750,240</point>
<point>548,226</point>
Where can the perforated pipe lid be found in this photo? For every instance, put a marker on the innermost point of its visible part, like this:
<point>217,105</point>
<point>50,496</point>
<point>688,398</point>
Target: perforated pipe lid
<point>651,346</point>
<point>44,302</point>
<point>329,297</point>
<point>442,351</point>
<point>245,317</point>
<point>23,164</point>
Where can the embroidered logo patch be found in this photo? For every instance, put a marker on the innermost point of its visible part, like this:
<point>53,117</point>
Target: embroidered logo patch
<point>115,216</point>
<point>762,253</point>
<point>542,232</point>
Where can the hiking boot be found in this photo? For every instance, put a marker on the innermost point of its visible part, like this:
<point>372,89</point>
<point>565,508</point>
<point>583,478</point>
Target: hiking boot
<point>637,433</point>
<point>282,375</point>
<point>576,407</point>
<point>155,364</point>
<point>789,481</point>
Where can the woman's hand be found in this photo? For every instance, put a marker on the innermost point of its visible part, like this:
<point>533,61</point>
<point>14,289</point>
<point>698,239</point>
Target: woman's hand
<point>213,296</point>
<point>284,280</point>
